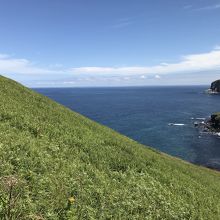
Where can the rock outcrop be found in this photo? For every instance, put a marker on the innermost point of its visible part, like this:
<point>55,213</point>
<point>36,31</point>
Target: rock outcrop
<point>215,121</point>
<point>215,86</point>
<point>210,125</point>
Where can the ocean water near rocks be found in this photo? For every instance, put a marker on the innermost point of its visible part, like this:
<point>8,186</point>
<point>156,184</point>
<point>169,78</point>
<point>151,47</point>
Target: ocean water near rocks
<point>160,117</point>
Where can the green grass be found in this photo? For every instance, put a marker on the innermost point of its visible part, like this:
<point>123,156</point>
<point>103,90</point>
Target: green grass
<point>50,155</point>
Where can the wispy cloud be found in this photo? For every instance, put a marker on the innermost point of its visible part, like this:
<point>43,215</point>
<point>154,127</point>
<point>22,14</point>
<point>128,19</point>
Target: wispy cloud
<point>89,75</point>
<point>9,64</point>
<point>189,63</point>
<point>209,7</point>
<point>123,22</point>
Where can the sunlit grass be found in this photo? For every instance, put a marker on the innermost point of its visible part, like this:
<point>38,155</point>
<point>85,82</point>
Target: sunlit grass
<point>57,164</point>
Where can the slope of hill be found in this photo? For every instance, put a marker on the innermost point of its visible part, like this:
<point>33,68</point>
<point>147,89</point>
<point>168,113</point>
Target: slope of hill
<point>57,164</point>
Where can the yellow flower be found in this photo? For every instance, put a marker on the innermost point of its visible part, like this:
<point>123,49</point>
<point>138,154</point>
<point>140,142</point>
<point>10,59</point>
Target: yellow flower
<point>71,199</point>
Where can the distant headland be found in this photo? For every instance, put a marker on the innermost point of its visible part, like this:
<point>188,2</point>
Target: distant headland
<point>214,88</point>
<point>211,124</point>
<point>214,122</point>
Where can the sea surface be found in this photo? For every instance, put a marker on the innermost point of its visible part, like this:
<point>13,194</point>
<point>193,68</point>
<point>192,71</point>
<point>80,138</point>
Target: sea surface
<point>160,117</point>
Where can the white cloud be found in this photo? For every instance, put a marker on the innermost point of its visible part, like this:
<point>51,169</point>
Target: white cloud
<point>9,64</point>
<point>157,77</point>
<point>189,63</point>
<point>69,82</point>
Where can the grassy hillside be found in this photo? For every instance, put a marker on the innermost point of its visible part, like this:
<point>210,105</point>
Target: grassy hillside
<point>57,164</point>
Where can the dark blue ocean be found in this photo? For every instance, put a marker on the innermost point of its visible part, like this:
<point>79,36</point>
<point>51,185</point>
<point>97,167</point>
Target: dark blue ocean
<point>144,114</point>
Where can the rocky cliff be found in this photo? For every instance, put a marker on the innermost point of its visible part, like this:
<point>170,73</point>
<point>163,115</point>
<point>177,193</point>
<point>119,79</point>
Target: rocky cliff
<point>215,120</point>
<point>215,86</point>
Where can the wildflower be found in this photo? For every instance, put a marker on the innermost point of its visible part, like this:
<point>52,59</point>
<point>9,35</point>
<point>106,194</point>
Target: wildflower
<point>71,200</point>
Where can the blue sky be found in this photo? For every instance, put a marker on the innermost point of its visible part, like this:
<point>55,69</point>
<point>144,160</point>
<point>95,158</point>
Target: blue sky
<point>71,43</point>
